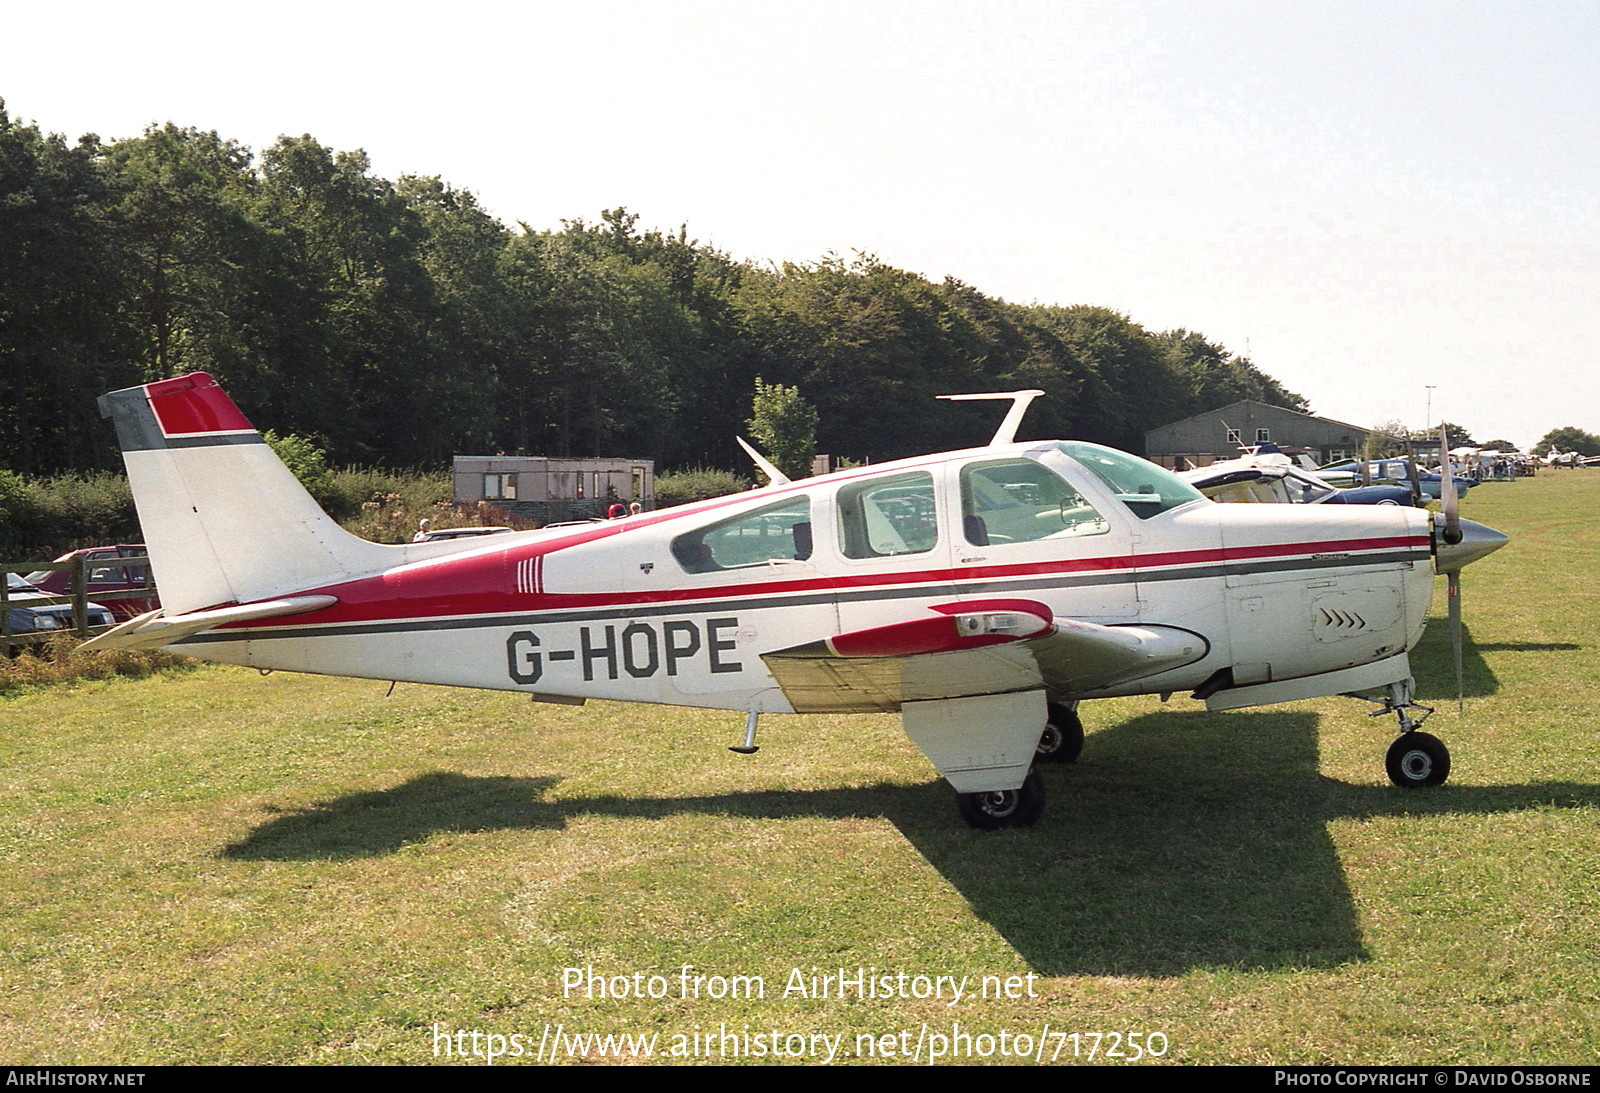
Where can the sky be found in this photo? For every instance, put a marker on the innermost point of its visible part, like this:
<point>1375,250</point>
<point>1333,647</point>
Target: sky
<point>1392,208</point>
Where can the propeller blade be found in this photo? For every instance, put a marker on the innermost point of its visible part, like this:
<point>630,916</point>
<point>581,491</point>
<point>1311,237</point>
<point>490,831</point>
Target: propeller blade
<point>1453,606</point>
<point>1412,473</point>
<point>1449,502</point>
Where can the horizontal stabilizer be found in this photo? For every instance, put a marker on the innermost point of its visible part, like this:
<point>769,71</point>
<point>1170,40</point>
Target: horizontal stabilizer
<point>151,630</point>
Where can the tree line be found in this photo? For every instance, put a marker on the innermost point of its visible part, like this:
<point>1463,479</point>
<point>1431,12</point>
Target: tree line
<point>398,323</point>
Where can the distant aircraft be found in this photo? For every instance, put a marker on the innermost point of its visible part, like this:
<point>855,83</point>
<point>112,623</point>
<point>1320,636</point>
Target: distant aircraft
<point>1558,458</point>
<point>981,593</point>
<point>1264,473</point>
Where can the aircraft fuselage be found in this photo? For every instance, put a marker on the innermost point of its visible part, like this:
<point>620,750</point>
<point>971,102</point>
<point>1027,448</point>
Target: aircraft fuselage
<point>680,606</point>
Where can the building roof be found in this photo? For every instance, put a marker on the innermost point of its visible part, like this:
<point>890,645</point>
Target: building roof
<point>1245,406</point>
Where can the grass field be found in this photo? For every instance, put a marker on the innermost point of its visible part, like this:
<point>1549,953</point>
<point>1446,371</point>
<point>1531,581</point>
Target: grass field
<point>214,866</point>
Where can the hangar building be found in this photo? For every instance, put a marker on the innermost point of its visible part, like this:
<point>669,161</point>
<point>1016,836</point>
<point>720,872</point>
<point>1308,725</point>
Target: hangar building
<point>1220,434</point>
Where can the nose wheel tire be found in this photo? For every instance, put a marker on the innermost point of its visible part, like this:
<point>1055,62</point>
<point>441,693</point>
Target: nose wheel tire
<point>1417,759</point>
<point>1005,807</point>
<point>1062,739</point>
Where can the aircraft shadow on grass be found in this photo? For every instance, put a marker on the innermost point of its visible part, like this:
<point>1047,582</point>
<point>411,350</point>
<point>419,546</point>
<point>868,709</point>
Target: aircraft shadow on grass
<point>1178,841</point>
<point>1432,665</point>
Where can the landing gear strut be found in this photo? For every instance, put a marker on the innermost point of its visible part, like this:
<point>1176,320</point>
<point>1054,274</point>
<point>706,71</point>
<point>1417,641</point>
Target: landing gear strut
<point>1416,759</point>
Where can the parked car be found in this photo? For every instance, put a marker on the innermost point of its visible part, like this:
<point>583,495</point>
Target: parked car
<point>30,616</point>
<point>103,573</point>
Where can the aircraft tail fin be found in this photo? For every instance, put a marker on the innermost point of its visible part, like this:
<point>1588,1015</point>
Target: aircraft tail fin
<point>224,520</point>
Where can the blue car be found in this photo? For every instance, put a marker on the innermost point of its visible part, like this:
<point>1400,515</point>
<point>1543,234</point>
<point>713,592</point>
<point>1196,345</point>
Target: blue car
<point>28,615</point>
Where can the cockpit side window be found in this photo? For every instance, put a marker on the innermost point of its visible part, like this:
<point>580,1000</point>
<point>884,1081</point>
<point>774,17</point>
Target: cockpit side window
<point>1020,501</point>
<point>883,517</point>
<point>775,533</point>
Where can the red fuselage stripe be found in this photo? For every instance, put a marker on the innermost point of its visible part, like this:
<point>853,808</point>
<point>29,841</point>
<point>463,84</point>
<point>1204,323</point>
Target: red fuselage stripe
<point>482,585</point>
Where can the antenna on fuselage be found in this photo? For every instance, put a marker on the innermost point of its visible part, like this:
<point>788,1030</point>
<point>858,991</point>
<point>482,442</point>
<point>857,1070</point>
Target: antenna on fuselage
<point>1007,433</point>
<point>775,477</point>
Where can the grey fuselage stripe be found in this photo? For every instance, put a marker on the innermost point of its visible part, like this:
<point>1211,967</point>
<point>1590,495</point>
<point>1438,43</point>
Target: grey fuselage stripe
<point>987,587</point>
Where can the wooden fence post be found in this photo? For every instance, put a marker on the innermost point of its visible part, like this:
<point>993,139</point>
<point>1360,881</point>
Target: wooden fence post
<point>80,598</point>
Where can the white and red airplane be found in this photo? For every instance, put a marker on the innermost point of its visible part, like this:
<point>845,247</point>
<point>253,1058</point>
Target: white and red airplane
<point>981,593</point>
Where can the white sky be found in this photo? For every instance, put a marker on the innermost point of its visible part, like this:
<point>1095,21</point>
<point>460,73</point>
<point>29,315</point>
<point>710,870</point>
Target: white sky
<point>1367,197</point>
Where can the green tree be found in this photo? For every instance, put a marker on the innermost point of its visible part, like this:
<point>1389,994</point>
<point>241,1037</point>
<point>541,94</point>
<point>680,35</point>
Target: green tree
<point>62,335</point>
<point>189,247</point>
<point>307,461</point>
<point>1568,438</point>
<point>1217,377</point>
<point>1387,438</point>
<point>358,370</point>
<point>784,425</point>
<point>19,515</point>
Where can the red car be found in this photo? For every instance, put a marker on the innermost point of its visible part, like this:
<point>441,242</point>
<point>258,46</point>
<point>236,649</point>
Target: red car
<point>103,575</point>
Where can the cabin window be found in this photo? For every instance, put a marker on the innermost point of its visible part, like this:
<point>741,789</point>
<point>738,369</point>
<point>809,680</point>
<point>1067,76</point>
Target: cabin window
<point>884,517</point>
<point>774,533</point>
<point>1020,501</point>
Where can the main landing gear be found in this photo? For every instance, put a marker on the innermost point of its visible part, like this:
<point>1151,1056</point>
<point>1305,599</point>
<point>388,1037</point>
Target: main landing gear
<point>1416,759</point>
<point>1062,739</point>
<point>1061,742</point>
<point>1005,807</point>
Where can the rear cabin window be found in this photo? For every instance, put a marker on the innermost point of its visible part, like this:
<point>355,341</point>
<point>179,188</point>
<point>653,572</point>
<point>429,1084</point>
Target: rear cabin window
<point>1020,501</point>
<point>776,533</point>
<point>884,517</point>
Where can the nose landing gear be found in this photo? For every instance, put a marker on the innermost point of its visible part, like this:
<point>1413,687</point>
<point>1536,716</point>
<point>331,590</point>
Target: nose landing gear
<point>1416,759</point>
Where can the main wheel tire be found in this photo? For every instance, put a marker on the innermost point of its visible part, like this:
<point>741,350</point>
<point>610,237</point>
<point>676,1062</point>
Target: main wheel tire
<point>1417,759</point>
<point>1062,739</point>
<point>1005,807</point>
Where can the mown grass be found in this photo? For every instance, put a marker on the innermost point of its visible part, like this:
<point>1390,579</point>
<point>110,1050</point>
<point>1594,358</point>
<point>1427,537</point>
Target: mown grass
<point>213,866</point>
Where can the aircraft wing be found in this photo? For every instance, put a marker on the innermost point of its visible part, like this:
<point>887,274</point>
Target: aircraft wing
<point>966,649</point>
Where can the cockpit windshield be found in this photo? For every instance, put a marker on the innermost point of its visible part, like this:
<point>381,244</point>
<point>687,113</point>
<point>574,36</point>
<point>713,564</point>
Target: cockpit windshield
<point>1145,488</point>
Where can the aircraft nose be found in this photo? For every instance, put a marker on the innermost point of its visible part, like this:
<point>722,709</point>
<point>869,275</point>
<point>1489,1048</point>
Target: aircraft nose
<point>1477,541</point>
